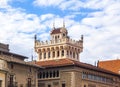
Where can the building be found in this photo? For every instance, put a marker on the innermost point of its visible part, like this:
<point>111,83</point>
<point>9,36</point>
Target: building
<point>62,68</point>
<point>3,72</point>
<point>112,65</point>
<point>17,72</point>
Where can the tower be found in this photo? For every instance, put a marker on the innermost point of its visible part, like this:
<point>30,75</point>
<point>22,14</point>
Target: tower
<point>59,47</point>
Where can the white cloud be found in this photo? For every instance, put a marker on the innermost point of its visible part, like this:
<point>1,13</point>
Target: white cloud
<point>100,28</point>
<point>47,2</point>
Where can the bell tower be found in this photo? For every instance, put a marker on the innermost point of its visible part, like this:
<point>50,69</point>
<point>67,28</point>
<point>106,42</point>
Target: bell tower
<point>59,47</point>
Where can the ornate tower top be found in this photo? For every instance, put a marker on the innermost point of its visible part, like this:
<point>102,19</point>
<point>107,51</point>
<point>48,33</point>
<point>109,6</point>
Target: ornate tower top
<point>60,46</point>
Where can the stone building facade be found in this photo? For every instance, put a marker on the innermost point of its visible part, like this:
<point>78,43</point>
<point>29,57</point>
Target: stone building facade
<point>3,72</point>
<point>19,73</point>
<point>62,68</point>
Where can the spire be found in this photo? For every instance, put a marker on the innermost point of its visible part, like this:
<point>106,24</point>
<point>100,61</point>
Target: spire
<point>35,37</point>
<point>63,24</point>
<point>82,37</point>
<point>53,25</point>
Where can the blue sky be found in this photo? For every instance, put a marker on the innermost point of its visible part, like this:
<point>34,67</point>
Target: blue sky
<point>97,20</point>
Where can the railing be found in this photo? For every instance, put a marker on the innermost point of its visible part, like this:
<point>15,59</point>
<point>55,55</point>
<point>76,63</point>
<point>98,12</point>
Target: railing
<point>51,42</point>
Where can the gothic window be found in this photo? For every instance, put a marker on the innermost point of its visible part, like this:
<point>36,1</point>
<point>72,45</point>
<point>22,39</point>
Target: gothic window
<point>48,54</point>
<point>57,53</point>
<point>62,52</point>
<point>44,55</point>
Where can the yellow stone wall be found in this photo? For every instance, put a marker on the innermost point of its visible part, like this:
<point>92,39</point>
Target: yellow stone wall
<point>2,78</point>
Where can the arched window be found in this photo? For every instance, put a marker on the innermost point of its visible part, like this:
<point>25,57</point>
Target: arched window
<point>70,54</point>
<point>53,73</point>
<point>46,74</point>
<point>49,54</point>
<point>73,54</point>
<point>44,55</point>
<point>57,73</point>
<point>53,53</point>
<point>57,53</point>
<point>43,74</point>
<point>50,74</point>
<point>62,52</point>
<point>40,55</point>
<point>67,52</point>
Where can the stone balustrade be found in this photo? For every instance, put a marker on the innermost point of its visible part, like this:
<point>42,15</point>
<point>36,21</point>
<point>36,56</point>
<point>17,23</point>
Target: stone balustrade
<point>59,41</point>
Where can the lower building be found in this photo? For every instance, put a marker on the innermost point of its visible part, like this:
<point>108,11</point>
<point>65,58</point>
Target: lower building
<point>3,73</point>
<point>15,72</point>
<point>71,73</point>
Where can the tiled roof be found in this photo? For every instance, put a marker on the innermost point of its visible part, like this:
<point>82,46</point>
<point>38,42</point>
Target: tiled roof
<point>69,62</point>
<point>56,31</point>
<point>112,65</point>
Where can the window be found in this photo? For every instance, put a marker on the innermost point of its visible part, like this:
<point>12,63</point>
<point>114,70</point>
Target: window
<point>48,74</point>
<point>48,54</point>
<point>84,85</point>
<point>40,55</point>
<point>12,66</point>
<point>57,53</point>
<point>49,85</point>
<point>67,52</point>
<point>0,83</point>
<point>53,73</point>
<point>53,53</point>
<point>62,52</point>
<point>29,82</point>
<point>73,54</point>
<point>44,55</point>
<point>63,85</point>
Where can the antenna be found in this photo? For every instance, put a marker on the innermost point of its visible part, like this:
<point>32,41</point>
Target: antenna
<point>32,55</point>
<point>53,25</point>
<point>63,23</point>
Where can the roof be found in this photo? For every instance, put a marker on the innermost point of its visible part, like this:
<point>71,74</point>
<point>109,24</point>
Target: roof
<point>13,54</point>
<point>112,65</point>
<point>56,31</point>
<point>69,62</point>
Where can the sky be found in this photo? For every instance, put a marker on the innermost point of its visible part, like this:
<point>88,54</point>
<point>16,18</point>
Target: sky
<point>97,20</point>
